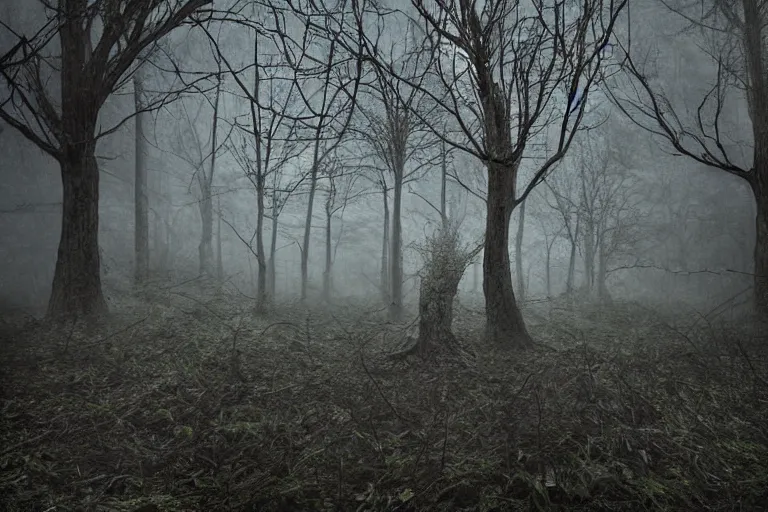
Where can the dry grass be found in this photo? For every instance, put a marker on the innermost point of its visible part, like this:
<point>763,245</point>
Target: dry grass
<point>194,405</point>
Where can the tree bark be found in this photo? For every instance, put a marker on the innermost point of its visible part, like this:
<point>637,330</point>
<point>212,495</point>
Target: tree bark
<point>505,323</point>
<point>436,295</point>
<point>519,255</point>
<point>395,255</point>
<point>141,206</point>
<point>76,290</point>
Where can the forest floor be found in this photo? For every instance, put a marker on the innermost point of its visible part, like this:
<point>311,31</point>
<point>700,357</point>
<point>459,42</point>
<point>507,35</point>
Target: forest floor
<point>184,403</point>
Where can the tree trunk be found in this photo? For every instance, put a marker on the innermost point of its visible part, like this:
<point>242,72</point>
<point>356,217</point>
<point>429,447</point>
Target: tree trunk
<point>262,299</point>
<point>205,180</point>
<point>436,295</point>
<point>602,274</point>
<point>385,284</point>
<point>443,186</point>
<point>395,255</point>
<point>519,255</point>
<point>328,257</point>
<point>572,259</point>
<point>308,224</point>
<point>141,206</point>
<point>589,257</point>
<point>505,323</point>
<point>548,269</point>
<point>271,282</point>
<point>205,248</point>
<point>761,252</point>
<point>219,257</point>
<point>76,290</point>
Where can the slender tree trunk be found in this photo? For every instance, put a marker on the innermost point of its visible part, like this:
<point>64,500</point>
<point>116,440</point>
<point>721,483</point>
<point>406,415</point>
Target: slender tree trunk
<point>205,248</point>
<point>308,223</point>
<point>443,187</point>
<point>395,260</point>
<point>385,284</point>
<point>328,257</point>
<point>519,255</point>
<point>602,273</point>
<point>589,257</point>
<point>76,290</point>
<point>271,279</point>
<point>548,264</point>
<point>505,323</point>
<point>572,259</point>
<point>141,206</point>
<point>205,179</point>
<point>262,298</point>
<point>219,258</point>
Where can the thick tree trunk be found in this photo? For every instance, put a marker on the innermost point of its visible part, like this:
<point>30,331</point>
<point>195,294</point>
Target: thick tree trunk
<point>436,295</point>
<point>141,207</point>
<point>395,255</point>
<point>519,255</point>
<point>76,291</point>
<point>384,281</point>
<point>505,323</point>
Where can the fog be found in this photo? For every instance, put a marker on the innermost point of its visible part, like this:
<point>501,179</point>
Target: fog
<point>331,173</point>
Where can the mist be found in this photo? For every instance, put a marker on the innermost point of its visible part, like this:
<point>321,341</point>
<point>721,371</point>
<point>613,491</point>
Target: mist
<point>380,256</point>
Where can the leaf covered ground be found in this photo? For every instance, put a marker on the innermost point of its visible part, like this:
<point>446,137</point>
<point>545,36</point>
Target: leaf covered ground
<point>180,402</point>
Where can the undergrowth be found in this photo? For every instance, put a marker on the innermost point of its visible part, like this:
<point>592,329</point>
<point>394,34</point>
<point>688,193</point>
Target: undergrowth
<point>190,404</point>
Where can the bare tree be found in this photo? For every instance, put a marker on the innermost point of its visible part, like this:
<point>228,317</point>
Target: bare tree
<point>99,42</point>
<point>340,192</point>
<point>198,150</point>
<point>499,70</point>
<point>735,34</point>
<point>402,142</point>
<point>269,143</point>
<point>141,202</point>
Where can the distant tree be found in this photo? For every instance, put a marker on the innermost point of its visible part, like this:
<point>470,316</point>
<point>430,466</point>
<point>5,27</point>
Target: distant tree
<point>268,142</point>
<point>341,191</point>
<point>400,141</point>
<point>100,42</point>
